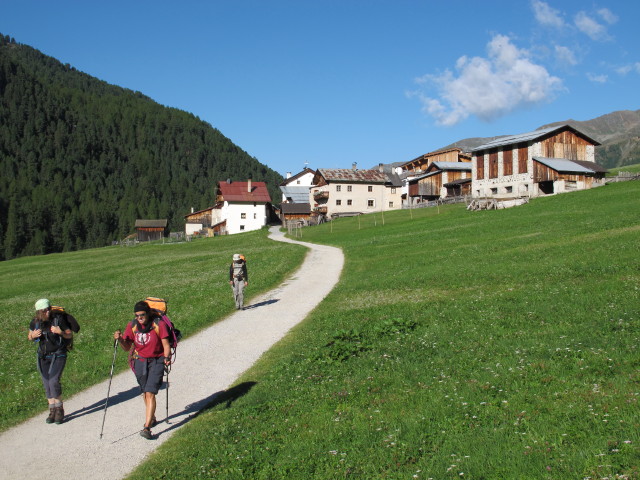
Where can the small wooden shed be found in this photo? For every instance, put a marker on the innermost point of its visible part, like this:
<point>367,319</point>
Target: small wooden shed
<point>148,230</point>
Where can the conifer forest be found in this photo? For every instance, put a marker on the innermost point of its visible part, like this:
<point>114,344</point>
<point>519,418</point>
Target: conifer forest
<point>81,160</point>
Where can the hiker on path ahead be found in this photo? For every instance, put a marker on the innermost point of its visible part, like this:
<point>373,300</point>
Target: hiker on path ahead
<point>149,357</point>
<point>52,331</point>
<point>238,279</point>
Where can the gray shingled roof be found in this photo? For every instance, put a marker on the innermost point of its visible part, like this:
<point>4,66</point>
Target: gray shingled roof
<point>527,137</point>
<point>562,165</point>
<point>297,193</point>
<point>348,175</point>
<point>151,223</point>
<point>452,165</point>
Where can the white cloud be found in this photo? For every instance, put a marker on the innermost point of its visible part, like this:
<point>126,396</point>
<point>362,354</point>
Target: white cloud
<point>565,56</point>
<point>590,27</point>
<point>546,15</point>
<point>608,16</point>
<point>488,87</point>
<point>625,69</point>
<point>597,78</point>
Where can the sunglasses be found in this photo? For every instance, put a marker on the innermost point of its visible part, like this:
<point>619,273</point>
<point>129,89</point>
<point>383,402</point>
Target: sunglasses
<point>142,315</point>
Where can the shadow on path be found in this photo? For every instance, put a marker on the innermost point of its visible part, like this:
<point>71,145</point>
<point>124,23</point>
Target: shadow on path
<point>99,405</point>
<point>191,411</point>
<point>262,304</point>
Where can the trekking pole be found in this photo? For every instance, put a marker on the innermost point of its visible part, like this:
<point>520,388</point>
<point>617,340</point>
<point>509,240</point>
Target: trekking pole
<point>167,370</point>
<point>106,402</point>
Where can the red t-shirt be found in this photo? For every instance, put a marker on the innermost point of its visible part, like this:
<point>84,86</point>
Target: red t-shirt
<point>148,344</point>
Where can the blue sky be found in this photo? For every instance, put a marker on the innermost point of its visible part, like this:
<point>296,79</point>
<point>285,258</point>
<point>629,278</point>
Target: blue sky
<point>332,82</point>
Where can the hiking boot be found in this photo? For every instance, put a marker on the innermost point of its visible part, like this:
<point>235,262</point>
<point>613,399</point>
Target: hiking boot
<point>58,416</point>
<point>154,422</point>
<point>146,433</point>
<point>52,415</point>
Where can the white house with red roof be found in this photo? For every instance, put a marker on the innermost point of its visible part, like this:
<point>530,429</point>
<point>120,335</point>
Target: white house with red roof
<point>242,206</point>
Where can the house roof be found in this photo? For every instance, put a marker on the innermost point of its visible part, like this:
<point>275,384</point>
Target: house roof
<point>464,166</point>
<point>530,136</point>
<point>296,208</point>
<point>151,223</point>
<point>297,193</point>
<point>349,175</point>
<point>460,181</point>
<point>304,172</point>
<point>436,152</point>
<point>562,165</point>
<point>592,165</point>
<point>239,192</point>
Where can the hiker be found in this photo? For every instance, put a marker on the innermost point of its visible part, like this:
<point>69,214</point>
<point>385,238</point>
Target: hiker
<point>150,355</point>
<point>52,331</point>
<point>238,279</point>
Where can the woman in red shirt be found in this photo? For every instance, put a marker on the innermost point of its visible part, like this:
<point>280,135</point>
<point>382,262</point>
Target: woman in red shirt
<point>151,353</point>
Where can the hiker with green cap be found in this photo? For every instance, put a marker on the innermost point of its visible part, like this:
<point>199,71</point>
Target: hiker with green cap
<point>238,279</point>
<point>52,331</point>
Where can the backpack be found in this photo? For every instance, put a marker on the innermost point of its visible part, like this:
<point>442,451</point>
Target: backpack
<point>73,323</point>
<point>159,307</point>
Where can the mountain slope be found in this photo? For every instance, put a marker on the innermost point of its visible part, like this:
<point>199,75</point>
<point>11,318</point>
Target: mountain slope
<point>80,159</point>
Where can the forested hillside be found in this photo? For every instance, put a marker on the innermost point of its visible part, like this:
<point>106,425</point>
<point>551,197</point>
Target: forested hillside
<point>80,159</point>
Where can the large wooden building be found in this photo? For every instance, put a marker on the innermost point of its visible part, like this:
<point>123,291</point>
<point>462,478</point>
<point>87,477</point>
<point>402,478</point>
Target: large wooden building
<point>441,180</point>
<point>551,160</point>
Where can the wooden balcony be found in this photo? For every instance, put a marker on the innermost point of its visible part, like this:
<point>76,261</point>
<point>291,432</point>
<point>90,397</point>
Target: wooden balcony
<point>320,195</point>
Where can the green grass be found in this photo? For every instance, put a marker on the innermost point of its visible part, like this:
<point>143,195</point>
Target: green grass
<point>478,345</point>
<point>629,168</point>
<point>100,286</point>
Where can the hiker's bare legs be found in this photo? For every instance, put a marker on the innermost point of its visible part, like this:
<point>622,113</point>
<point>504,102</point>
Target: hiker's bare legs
<point>150,406</point>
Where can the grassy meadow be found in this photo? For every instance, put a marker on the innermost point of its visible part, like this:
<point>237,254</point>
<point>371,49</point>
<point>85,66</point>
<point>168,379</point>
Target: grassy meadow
<point>480,345</point>
<point>100,286</point>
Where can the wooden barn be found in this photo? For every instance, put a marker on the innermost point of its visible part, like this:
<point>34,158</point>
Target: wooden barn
<point>547,161</point>
<point>442,179</point>
<point>147,230</point>
<point>295,213</point>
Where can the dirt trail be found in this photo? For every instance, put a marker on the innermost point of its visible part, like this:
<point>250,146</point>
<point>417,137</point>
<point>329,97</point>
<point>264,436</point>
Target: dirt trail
<point>232,345</point>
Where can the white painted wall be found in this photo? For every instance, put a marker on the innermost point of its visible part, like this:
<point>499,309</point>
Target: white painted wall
<point>243,217</point>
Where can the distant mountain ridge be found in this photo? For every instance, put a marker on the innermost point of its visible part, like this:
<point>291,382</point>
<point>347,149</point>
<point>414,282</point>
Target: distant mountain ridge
<point>618,132</point>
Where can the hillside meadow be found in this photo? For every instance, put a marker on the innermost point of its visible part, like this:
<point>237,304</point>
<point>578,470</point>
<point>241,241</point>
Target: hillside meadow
<point>478,345</point>
<point>100,286</point>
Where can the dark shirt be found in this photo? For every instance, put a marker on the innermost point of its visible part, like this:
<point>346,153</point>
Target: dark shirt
<point>51,342</point>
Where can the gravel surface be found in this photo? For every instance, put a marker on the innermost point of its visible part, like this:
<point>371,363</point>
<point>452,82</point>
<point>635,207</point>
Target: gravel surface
<point>74,450</point>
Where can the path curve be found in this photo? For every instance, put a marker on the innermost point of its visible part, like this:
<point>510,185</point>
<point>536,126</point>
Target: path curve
<point>232,345</point>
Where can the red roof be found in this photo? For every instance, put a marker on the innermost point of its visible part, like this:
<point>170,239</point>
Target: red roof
<point>239,192</point>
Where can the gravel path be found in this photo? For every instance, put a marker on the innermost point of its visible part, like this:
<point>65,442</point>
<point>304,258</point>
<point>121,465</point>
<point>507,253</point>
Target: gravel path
<point>75,450</point>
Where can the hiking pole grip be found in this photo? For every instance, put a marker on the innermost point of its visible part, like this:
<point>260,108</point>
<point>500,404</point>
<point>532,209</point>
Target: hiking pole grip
<point>106,402</point>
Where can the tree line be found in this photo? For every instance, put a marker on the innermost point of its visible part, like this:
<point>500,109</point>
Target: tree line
<point>81,160</point>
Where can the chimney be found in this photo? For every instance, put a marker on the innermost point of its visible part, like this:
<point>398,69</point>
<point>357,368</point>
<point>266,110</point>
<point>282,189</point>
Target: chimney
<point>288,174</point>
<point>354,166</point>
<point>249,186</point>
<point>229,181</point>
<point>191,209</point>
<point>381,167</point>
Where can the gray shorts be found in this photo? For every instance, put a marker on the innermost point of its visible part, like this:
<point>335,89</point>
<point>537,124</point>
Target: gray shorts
<point>149,372</point>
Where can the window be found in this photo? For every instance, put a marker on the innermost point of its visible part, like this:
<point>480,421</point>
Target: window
<point>243,216</point>
<point>371,203</point>
<point>390,204</point>
<point>338,202</point>
<point>507,162</point>
<point>349,188</point>
<point>480,167</point>
<point>493,165</point>
<point>349,202</point>
<point>255,216</point>
<point>241,227</point>
<point>523,154</point>
<point>393,189</point>
<point>338,188</point>
<point>494,191</point>
<point>370,188</point>
<point>298,182</point>
<point>509,189</point>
